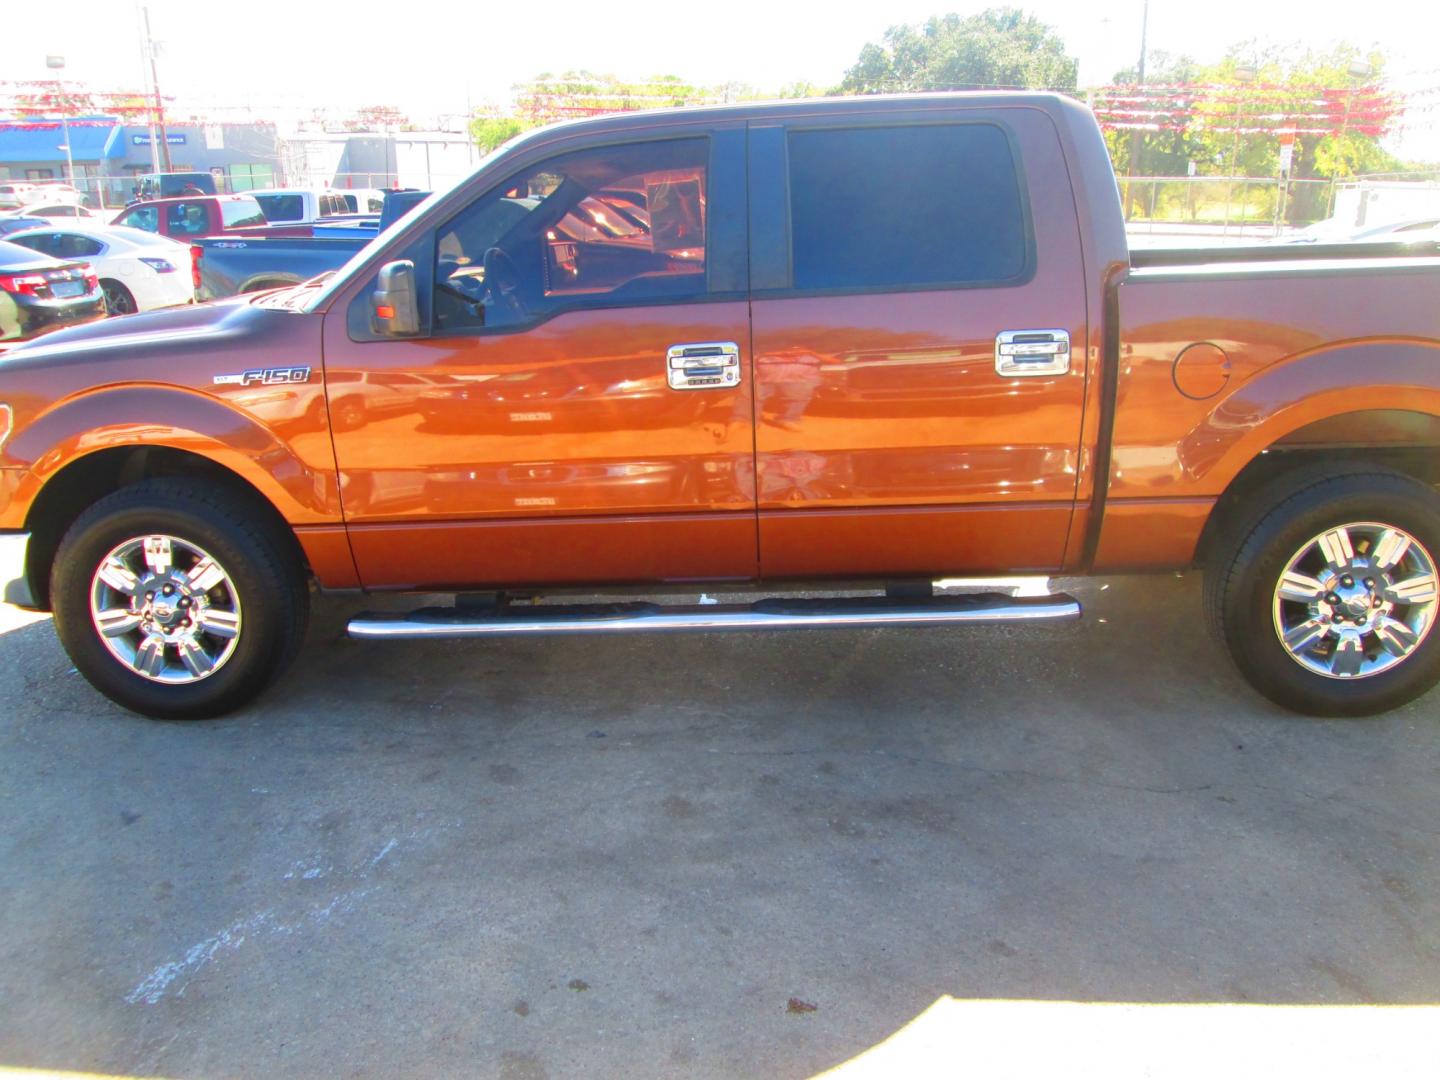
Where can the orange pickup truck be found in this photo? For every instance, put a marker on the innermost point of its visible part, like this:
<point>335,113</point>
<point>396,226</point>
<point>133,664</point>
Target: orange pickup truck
<point>848,346</point>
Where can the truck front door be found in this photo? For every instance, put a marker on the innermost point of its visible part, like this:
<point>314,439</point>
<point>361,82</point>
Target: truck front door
<point>917,283</point>
<point>578,409</point>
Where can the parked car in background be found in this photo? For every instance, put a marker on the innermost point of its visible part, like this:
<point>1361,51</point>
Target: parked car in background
<point>58,210</point>
<point>200,215</point>
<point>138,271</point>
<point>363,200</point>
<point>1334,232</point>
<point>299,206</point>
<point>395,206</point>
<point>39,293</point>
<point>55,191</point>
<point>12,195</point>
<point>19,222</point>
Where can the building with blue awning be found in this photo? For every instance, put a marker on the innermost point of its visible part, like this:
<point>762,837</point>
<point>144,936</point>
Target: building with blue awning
<point>109,155</point>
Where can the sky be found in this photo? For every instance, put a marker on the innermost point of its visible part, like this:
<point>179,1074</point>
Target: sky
<point>287,55</point>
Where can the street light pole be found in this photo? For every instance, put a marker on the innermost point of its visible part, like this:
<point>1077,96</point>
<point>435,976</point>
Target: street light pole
<point>57,63</point>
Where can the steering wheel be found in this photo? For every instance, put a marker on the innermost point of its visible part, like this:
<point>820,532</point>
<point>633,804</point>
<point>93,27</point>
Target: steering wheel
<point>502,285</point>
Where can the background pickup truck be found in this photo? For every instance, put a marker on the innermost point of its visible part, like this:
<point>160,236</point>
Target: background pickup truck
<point>853,345</point>
<point>193,216</point>
<point>254,263</point>
<point>302,206</point>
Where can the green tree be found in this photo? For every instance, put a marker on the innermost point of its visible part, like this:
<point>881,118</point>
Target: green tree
<point>1000,47</point>
<point>1230,119</point>
<point>550,97</point>
<point>1169,150</point>
<point>492,131</point>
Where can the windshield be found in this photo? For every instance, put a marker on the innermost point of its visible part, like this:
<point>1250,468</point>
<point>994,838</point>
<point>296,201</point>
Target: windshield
<point>361,257</point>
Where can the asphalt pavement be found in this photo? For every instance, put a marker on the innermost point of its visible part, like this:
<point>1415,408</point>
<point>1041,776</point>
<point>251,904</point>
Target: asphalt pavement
<point>1074,850</point>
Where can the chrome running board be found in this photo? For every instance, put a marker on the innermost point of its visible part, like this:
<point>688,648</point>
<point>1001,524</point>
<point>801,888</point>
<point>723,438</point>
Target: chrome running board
<point>772,614</point>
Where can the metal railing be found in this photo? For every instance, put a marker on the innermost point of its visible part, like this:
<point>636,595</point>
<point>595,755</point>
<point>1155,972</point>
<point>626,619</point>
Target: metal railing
<point>1224,205</point>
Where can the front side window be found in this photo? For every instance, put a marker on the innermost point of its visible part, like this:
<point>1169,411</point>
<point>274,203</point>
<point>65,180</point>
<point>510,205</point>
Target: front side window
<point>240,213</point>
<point>608,226</point>
<point>905,207</point>
<point>143,217</point>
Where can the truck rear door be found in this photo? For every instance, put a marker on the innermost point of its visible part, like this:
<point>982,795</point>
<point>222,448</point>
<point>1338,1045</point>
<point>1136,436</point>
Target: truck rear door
<point>917,282</point>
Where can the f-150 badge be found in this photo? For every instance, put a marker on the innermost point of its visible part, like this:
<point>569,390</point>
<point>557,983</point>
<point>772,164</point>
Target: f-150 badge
<point>265,376</point>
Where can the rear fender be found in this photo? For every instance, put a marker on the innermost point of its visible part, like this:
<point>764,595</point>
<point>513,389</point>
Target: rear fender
<point>1303,390</point>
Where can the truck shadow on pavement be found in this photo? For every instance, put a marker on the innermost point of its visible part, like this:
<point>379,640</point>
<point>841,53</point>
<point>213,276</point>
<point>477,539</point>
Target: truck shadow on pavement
<point>697,855</point>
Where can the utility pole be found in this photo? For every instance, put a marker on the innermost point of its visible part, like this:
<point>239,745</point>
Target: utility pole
<point>159,103</point>
<point>145,83</point>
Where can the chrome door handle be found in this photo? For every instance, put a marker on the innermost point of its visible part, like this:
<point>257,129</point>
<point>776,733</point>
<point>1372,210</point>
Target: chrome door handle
<point>1019,353</point>
<point>706,365</point>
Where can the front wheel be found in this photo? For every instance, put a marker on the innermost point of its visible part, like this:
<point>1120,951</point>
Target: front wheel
<point>178,600</point>
<point>1327,601</point>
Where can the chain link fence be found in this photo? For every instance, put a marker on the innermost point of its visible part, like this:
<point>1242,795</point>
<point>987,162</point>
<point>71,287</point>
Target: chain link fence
<point>1224,205</point>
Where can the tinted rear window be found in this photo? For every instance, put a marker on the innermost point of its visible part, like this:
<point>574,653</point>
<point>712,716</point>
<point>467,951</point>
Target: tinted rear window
<point>63,245</point>
<point>904,207</point>
<point>238,213</point>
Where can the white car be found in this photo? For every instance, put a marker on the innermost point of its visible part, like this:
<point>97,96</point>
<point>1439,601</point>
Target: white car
<point>138,271</point>
<point>13,195</point>
<point>1331,232</point>
<point>57,210</point>
<point>51,191</point>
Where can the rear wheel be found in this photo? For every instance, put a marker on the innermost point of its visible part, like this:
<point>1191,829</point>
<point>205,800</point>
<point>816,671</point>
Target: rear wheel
<point>178,600</point>
<point>118,299</point>
<point>1327,601</point>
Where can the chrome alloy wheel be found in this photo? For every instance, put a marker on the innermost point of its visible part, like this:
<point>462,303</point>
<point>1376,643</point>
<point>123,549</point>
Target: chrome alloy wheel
<point>1356,600</point>
<point>165,609</point>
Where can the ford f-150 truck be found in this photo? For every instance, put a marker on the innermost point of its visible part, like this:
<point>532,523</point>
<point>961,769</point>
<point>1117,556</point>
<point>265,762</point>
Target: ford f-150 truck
<point>851,346</point>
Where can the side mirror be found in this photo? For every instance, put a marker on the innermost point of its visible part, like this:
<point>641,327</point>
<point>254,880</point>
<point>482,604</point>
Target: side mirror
<point>396,312</point>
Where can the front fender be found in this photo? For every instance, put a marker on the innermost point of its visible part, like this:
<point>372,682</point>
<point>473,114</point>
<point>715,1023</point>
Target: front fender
<point>261,451</point>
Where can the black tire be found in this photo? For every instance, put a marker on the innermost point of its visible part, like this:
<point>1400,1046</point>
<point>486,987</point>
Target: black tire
<point>1247,561</point>
<point>262,565</point>
<point>118,299</point>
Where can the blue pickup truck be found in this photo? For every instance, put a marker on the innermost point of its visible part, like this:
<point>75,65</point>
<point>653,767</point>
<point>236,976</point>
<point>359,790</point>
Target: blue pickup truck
<point>230,265</point>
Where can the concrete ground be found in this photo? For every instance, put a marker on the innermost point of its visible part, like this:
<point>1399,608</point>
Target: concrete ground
<point>889,853</point>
